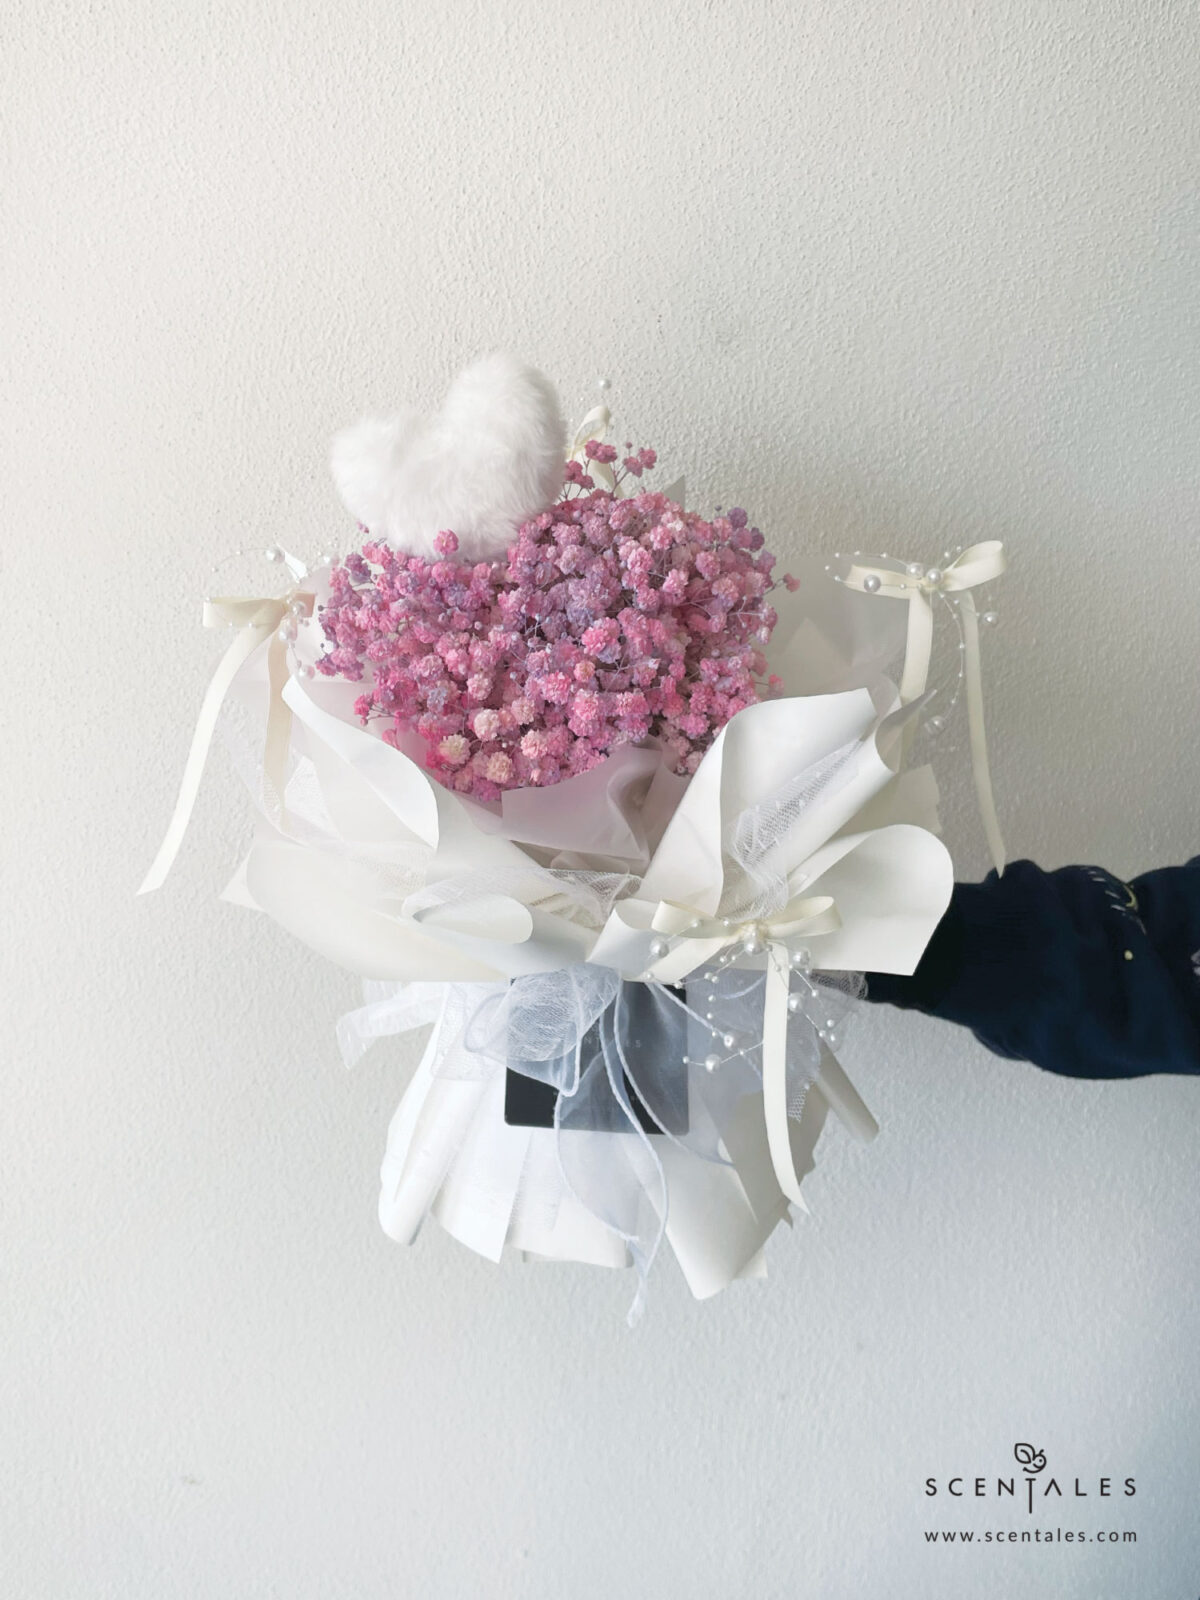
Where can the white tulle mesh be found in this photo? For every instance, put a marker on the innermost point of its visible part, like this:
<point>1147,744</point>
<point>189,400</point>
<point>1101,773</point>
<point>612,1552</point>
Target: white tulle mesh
<point>542,1020</point>
<point>753,848</point>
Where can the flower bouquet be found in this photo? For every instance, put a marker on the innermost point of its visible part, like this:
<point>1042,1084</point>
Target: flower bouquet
<point>566,775</point>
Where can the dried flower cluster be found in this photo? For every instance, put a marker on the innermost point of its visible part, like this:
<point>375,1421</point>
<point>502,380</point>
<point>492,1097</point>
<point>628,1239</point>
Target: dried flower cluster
<point>611,621</point>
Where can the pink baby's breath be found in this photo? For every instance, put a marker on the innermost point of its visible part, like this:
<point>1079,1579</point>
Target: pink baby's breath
<point>610,621</point>
<point>454,749</point>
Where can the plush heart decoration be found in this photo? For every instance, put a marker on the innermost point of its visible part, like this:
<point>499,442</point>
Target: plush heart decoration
<point>490,459</point>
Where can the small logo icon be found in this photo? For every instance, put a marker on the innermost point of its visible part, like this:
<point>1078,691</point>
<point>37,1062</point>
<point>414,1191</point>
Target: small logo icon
<point>1032,1460</point>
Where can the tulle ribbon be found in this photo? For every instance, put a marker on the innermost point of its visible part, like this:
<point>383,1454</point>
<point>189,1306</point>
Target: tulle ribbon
<point>255,619</point>
<point>979,564</point>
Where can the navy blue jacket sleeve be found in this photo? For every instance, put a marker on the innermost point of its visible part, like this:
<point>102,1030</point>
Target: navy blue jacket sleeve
<point>1073,970</point>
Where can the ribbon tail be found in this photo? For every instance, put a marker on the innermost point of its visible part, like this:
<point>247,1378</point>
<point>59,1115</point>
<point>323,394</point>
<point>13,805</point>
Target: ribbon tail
<point>919,648</point>
<point>248,640</point>
<point>979,756</point>
<point>774,1073</point>
<point>918,653</point>
<point>279,730</point>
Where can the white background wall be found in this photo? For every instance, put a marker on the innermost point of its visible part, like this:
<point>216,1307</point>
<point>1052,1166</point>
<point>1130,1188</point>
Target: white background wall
<point>890,275</point>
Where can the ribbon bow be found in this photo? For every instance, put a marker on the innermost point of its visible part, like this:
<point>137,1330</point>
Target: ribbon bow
<point>799,915</point>
<point>255,619</point>
<point>978,564</point>
<point>775,938</point>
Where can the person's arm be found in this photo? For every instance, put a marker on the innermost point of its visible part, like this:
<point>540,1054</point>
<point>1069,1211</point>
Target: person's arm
<point>1072,970</point>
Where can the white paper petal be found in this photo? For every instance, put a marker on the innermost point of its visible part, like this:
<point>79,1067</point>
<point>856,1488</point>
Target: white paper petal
<point>398,782</point>
<point>330,904</point>
<point>892,888</point>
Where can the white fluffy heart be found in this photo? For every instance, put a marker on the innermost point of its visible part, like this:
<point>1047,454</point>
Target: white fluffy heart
<point>492,457</point>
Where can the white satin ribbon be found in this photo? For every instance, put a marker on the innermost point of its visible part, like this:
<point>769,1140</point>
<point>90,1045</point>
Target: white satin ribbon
<point>979,564</point>
<point>814,914</point>
<point>255,620</point>
<point>830,1079</point>
<point>775,936</point>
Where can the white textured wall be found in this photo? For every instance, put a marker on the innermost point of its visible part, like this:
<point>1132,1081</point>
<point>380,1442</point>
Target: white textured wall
<point>890,274</point>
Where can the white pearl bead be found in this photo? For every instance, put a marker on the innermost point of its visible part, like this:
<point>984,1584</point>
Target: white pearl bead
<point>800,961</point>
<point>273,553</point>
<point>936,724</point>
<point>914,569</point>
<point>752,945</point>
<point>934,576</point>
<point>285,634</point>
<point>711,1063</point>
<point>871,583</point>
<point>658,949</point>
<point>728,1040</point>
<point>990,619</point>
<point>793,1003</point>
<point>304,670</point>
<point>603,384</point>
<point>296,609</point>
